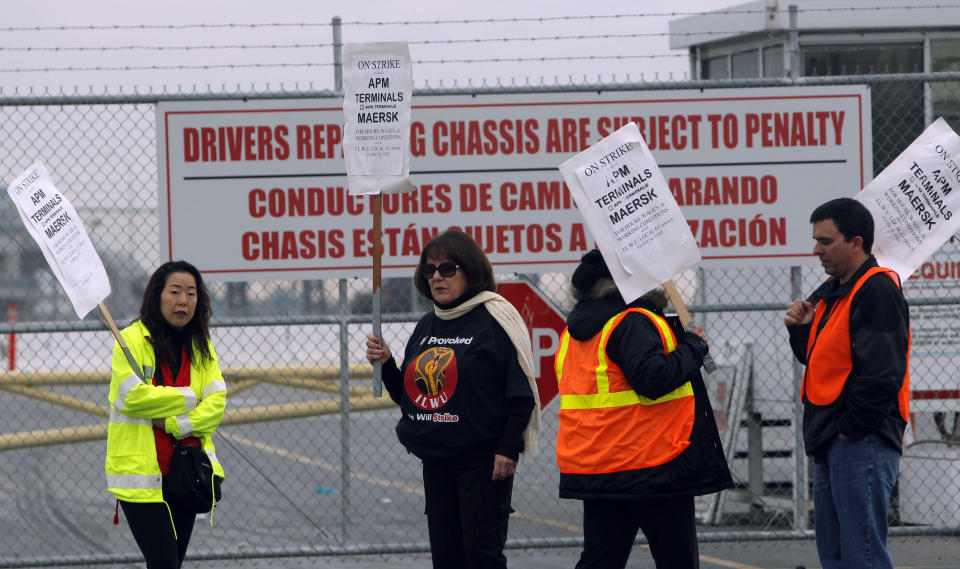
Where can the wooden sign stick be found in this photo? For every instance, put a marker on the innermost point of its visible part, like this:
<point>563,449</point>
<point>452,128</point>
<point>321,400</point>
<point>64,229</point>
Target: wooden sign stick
<point>708,364</point>
<point>377,296</point>
<point>123,345</point>
<point>112,325</point>
<point>677,301</point>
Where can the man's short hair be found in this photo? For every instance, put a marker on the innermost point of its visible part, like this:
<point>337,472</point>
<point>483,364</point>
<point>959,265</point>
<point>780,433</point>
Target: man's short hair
<point>851,217</point>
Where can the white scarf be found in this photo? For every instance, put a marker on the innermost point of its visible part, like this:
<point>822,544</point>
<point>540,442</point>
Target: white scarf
<point>512,323</point>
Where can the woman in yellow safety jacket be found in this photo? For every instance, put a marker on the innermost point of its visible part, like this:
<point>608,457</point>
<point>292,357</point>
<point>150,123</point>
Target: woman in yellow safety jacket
<point>167,387</point>
<point>637,439</point>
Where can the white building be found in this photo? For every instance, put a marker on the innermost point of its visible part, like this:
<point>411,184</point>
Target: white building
<point>774,38</point>
<point>816,38</point>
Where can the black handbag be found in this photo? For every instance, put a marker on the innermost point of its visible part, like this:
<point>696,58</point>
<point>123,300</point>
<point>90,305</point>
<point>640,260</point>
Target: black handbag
<point>190,482</point>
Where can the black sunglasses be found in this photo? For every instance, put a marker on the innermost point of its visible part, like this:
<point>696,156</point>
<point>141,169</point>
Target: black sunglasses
<point>447,269</point>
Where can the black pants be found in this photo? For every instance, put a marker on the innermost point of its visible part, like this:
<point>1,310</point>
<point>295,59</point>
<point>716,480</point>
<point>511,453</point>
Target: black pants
<point>150,524</point>
<point>610,526</point>
<point>467,512</point>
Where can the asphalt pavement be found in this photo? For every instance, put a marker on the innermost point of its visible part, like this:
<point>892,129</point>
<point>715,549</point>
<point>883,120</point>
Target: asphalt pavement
<point>909,553</point>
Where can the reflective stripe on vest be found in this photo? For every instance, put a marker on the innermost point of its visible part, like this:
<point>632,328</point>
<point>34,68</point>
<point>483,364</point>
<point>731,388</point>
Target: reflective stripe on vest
<point>185,425</point>
<point>829,352</point>
<point>213,387</point>
<point>118,417</point>
<point>603,398</point>
<point>134,481</point>
<point>124,389</point>
<point>604,425</point>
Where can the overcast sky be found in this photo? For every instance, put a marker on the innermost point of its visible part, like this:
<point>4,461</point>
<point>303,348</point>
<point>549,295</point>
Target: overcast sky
<point>640,32</point>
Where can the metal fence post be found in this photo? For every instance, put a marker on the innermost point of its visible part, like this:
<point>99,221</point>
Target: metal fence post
<point>344,412</point>
<point>337,55</point>
<point>800,478</point>
<point>793,45</point>
<point>755,478</point>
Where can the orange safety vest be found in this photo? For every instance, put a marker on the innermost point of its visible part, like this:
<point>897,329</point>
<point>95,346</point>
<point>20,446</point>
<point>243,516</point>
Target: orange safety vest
<point>829,355</point>
<point>606,426</point>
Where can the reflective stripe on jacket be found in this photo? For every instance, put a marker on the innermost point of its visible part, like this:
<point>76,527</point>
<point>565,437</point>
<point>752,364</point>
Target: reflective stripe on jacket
<point>605,426</point>
<point>829,351</point>
<point>132,471</point>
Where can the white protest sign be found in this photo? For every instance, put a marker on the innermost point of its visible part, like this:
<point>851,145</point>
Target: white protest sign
<point>377,88</point>
<point>915,200</point>
<point>56,227</point>
<point>631,212</point>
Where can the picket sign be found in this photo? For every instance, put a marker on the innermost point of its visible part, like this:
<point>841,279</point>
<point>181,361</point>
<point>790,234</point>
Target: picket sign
<point>915,200</point>
<point>377,93</point>
<point>633,216</point>
<point>377,90</point>
<point>53,223</point>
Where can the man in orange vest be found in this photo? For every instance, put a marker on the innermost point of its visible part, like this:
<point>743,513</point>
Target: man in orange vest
<point>853,334</point>
<point>637,439</point>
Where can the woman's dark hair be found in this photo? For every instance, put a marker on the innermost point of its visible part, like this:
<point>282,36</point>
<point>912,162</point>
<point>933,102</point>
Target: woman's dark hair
<point>197,331</point>
<point>592,271</point>
<point>592,280</point>
<point>462,250</point>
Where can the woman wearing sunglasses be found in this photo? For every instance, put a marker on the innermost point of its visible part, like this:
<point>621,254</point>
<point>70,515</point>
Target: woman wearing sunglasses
<point>468,401</point>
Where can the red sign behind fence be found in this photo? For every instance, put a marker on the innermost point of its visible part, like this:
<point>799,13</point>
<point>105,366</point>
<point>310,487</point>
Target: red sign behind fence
<point>545,325</point>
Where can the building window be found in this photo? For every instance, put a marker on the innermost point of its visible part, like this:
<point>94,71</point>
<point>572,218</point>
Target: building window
<point>773,61</point>
<point>945,56</point>
<point>716,67</point>
<point>862,59</point>
<point>745,65</point>
<point>896,107</point>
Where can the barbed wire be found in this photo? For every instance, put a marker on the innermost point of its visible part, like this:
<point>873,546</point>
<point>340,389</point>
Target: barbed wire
<point>467,21</point>
<point>551,58</point>
<point>352,23</point>
<point>440,61</point>
<point>328,64</point>
<point>330,44</point>
<point>731,11</point>
<point>165,67</point>
<point>424,42</point>
<point>164,47</point>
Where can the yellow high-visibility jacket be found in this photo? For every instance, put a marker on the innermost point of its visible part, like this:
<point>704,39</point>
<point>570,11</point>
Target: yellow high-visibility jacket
<point>133,474</point>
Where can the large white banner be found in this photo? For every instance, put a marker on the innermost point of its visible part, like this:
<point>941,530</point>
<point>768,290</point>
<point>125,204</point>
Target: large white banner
<point>258,189</point>
<point>377,88</point>
<point>629,209</point>
<point>914,202</point>
<point>54,224</point>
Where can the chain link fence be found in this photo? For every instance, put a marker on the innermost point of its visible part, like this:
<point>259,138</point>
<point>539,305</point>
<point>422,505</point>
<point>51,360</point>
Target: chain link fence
<point>309,475</point>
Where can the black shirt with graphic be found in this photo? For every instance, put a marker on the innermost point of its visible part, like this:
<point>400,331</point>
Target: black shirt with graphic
<point>461,389</point>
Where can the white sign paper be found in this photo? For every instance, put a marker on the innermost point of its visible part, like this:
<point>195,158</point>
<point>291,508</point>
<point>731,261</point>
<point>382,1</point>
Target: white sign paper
<point>377,88</point>
<point>631,212</point>
<point>915,201</point>
<point>57,229</point>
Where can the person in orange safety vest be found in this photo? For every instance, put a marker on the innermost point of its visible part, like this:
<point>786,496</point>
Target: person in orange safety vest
<point>853,334</point>
<point>637,437</point>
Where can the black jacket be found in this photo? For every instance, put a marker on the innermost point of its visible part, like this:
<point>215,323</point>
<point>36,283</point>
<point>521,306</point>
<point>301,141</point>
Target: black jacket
<point>879,335</point>
<point>485,401</point>
<point>636,347</point>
